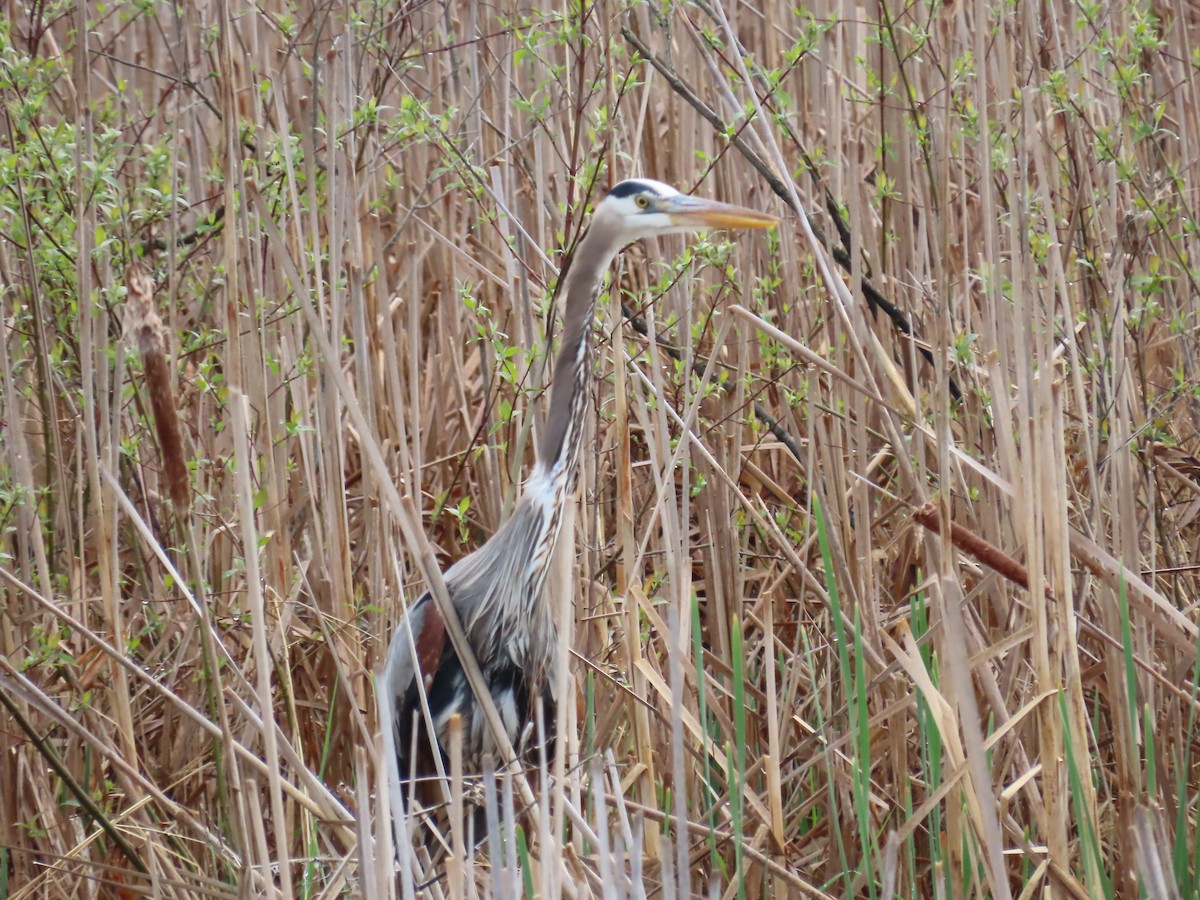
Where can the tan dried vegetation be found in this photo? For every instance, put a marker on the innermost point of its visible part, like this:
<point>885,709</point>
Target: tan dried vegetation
<point>329,235</point>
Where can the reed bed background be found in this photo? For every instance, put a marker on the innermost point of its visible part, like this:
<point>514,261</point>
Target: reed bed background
<point>853,613</point>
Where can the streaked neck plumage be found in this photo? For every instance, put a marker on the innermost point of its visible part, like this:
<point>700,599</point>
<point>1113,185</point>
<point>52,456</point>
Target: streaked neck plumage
<point>553,477</point>
<point>558,450</point>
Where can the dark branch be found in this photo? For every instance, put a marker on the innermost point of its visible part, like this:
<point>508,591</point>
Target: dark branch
<point>876,301</point>
<point>209,227</point>
<point>760,412</point>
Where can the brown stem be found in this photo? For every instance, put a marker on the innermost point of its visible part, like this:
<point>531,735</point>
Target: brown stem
<point>146,327</point>
<point>973,545</point>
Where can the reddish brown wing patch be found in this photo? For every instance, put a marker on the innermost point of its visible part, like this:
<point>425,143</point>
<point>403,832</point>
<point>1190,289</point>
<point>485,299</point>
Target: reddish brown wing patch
<point>431,641</point>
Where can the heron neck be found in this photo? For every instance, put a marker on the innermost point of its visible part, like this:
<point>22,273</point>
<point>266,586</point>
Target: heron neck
<point>558,450</point>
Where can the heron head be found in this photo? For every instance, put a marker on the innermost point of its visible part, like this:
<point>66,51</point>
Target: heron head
<point>640,207</point>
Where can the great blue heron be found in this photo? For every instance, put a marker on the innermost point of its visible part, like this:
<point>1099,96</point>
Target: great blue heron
<point>498,589</point>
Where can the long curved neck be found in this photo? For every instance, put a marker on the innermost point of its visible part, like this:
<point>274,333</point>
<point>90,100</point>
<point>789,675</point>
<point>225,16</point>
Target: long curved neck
<point>558,451</point>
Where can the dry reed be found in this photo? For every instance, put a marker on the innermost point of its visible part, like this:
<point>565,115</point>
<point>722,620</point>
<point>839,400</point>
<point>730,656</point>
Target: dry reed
<point>323,241</point>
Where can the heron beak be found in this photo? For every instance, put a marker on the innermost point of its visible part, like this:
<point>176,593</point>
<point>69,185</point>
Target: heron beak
<point>695,212</point>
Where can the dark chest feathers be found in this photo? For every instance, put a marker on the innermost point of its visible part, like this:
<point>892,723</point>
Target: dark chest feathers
<point>513,690</point>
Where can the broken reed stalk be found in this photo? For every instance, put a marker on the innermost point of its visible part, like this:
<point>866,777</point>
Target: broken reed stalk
<point>144,324</point>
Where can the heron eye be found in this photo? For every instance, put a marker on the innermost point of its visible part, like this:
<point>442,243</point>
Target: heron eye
<point>642,201</point>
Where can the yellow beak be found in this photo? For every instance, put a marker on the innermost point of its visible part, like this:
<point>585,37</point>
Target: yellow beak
<point>695,212</point>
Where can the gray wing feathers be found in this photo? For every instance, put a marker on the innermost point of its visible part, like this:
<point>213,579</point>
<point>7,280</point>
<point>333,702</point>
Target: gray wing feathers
<point>496,592</point>
<point>400,668</point>
<point>495,598</point>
